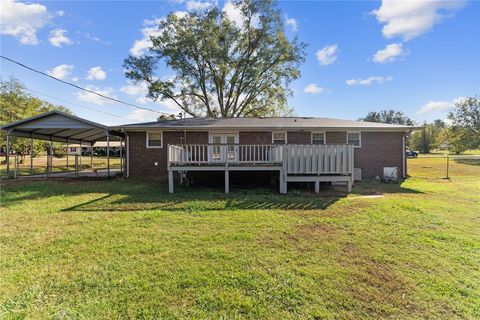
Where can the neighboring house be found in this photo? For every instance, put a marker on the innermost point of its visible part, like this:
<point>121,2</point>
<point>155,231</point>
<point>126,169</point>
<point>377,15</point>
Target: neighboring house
<point>98,147</point>
<point>299,148</point>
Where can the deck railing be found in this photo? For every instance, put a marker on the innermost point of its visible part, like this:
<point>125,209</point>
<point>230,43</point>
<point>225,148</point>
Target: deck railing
<point>295,158</point>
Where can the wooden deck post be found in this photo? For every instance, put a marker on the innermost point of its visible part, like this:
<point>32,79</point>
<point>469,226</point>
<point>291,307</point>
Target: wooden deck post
<point>227,181</point>
<point>170,181</point>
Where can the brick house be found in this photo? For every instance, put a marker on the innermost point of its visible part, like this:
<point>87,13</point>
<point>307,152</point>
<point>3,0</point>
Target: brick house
<point>294,148</point>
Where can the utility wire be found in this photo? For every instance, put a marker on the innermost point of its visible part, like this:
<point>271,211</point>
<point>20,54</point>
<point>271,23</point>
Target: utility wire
<point>75,104</point>
<point>80,88</point>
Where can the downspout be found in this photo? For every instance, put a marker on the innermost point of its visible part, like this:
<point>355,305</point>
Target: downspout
<point>127,153</point>
<point>404,158</point>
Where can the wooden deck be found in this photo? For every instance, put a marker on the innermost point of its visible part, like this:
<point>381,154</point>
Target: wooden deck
<point>295,163</point>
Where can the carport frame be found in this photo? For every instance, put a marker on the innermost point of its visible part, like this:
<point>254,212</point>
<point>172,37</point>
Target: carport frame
<point>32,128</point>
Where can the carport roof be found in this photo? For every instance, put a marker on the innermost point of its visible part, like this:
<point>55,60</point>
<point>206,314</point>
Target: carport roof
<point>61,127</point>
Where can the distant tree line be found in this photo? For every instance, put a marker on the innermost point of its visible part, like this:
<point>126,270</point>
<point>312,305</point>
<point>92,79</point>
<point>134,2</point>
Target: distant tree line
<point>460,131</point>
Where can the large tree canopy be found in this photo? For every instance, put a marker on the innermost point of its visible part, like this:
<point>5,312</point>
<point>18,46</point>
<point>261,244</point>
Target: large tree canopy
<point>466,115</point>
<point>388,116</point>
<point>222,67</point>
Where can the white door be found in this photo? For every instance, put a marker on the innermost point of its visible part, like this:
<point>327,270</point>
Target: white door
<point>223,147</point>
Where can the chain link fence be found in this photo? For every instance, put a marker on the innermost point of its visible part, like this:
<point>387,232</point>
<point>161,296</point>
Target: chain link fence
<point>443,167</point>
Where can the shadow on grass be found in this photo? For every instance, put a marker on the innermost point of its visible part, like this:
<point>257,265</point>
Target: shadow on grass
<point>470,162</point>
<point>127,195</point>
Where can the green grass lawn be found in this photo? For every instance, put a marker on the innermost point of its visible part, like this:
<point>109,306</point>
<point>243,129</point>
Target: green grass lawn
<point>103,249</point>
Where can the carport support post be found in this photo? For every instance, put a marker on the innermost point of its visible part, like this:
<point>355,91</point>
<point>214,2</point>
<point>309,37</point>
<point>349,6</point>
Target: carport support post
<point>8,154</point>
<point>108,154</point>
<point>67,154</point>
<point>121,156</point>
<point>317,186</point>
<point>91,155</point>
<point>49,158</point>
<point>31,155</point>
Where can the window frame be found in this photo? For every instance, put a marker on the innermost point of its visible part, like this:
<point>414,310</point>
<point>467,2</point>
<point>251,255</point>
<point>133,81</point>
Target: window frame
<point>359,138</point>
<point>148,139</point>
<point>284,134</point>
<point>324,137</point>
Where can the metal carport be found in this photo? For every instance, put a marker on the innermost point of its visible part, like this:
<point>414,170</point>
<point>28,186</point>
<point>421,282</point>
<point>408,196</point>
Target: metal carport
<point>60,127</point>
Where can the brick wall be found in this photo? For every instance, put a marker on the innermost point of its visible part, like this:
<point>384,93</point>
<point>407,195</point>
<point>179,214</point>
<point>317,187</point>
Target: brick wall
<point>142,159</point>
<point>378,150</point>
<point>336,137</point>
<point>251,137</point>
<point>299,137</point>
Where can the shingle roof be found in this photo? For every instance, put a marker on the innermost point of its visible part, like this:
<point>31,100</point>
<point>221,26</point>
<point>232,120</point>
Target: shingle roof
<point>275,123</point>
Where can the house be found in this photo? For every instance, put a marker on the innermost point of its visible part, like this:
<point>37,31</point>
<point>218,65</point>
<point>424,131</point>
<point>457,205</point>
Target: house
<point>296,149</point>
<point>292,149</point>
<point>99,147</point>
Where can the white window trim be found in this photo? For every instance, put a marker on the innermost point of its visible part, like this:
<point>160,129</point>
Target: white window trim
<point>359,138</point>
<point>281,131</point>
<point>213,133</point>
<point>324,136</point>
<point>161,140</point>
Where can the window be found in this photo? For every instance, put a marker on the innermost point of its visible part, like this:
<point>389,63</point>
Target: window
<point>279,137</point>
<point>354,138</point>
<point>154,139</point>
<point>318,138</point>
<point>73,149</point>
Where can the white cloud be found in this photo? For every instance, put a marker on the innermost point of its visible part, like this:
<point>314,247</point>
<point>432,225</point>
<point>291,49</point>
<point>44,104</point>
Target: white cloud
<point>292,23</point>
<point>58,37</point>
<point>60,13</point>
<point>93,98</point>
<point>150,30</point>
<point>141,115</point>
<point>75,79</point>
<point>410,19</point>
<point>438,106</point>
<point>235,15</point>
<point>96,73</point>
<point>368,81</point>
<point>193,5</point>
<point>390,53</point>
<point>22,20</point>
<point>327,55</point>
<point>135,90</point>
<point>313,88</point>
<point>60,71</point>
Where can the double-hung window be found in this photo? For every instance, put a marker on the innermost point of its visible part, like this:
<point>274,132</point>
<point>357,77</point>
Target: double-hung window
<point>154,139</point>
<point>318,137</point>
<point>279,137</point>
<point>354,138</point>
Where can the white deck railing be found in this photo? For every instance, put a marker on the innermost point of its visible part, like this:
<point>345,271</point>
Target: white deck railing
<point>295,159</point>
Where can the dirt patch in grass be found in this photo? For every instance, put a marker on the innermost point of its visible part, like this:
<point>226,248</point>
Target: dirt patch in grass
<point>375,286</point>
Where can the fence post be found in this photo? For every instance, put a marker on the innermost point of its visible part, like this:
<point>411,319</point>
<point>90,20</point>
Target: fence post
<point>448,160</point>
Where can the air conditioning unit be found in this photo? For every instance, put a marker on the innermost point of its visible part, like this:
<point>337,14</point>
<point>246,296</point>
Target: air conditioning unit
<point>390,173</point>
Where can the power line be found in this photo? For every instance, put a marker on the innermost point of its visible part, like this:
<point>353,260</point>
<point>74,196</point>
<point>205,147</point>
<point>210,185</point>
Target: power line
<point>76,104</point>
<point>81,88</point>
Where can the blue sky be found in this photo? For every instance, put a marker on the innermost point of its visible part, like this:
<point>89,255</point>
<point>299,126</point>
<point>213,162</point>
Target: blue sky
<point>418,57</point>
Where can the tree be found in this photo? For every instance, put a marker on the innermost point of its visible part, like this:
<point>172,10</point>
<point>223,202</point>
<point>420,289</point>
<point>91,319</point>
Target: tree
<point>223,67</point>
<point>388,116</point>
<point>456,137</point>
<point>429,137</point>
<point>466,115</point>
<point>16,104</point>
